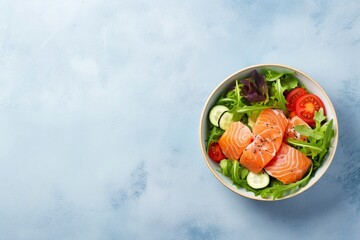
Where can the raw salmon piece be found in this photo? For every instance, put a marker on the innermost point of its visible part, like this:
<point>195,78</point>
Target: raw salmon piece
<point>259,153</point>
<point>290,131</point>
<point>235,139</point>
<point>269,131</point>
<point>268,120</point>
<point>289,165</point>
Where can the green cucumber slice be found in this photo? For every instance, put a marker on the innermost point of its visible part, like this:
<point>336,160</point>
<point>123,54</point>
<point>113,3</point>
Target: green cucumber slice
<point>259,180</point>
<point>225,120</point>
<point>215,114</point>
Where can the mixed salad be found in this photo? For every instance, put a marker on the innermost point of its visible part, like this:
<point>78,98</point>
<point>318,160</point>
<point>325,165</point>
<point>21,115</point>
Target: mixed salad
<point>265,89</point>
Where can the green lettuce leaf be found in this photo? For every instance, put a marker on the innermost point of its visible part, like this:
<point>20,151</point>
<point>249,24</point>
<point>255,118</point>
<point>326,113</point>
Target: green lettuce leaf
<point>279,83</point>
<point>237,173</point>
<point>289,81</point>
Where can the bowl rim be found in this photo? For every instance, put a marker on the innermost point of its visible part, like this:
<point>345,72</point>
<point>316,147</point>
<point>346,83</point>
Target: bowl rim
<point>335,140</point>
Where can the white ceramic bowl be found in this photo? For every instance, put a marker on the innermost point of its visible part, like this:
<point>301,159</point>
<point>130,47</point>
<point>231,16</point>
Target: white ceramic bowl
<point>226,84</point>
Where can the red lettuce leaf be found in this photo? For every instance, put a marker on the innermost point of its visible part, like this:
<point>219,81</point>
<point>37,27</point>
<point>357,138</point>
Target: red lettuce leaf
<point>254,89</point>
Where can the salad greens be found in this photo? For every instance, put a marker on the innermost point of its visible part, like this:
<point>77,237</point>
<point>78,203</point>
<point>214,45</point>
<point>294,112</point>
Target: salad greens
<point>262,90</point>
<point>214,136</point>
<point>237,173</point>
<point>254,89</point>
<point>318,139</point>
<point>243,109</point>
<point>281,82</point>
<point>278,189</point>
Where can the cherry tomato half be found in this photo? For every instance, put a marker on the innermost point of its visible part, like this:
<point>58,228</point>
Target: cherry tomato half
<point>292,96</point>
<point>215,152</point>
<point>306,106</point>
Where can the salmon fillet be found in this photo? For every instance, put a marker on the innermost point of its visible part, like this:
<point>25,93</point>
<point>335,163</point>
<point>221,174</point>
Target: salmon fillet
<point>258,153</point>
<point>268,120</point>
<point>235,139</point>
<point>289,165</point>
<point>269,130</point>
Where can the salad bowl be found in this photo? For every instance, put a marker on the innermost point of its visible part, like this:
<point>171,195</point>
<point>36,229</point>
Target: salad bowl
<point>228,83</point>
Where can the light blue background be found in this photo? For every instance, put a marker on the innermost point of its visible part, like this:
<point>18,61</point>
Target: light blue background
<point>99,109</point>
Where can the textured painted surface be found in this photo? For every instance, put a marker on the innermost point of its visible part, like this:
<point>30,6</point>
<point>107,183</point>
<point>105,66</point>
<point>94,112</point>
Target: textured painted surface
<point>100,103</point>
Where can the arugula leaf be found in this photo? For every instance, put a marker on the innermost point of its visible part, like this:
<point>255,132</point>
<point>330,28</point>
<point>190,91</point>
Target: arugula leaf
<point>278,189</point>
<point>271,75</point>
<point>308,132</point>
<point>279,95</point>
<point>232,99</point>
<point>248,114</point>
<point>214,136</point>
<point>237,173</point>
<point>247,109</point>
<point>237,91</point>
<point>309,148</point>
<point>319,117</point>
<point>304,130</point>
<point>329,133</point>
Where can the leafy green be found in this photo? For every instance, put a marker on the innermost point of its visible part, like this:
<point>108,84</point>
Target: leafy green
<point>318,139</point>
<point>254,89</point>
<point>214,136</point>
<point>237,173</point>
<point>256,93</point>
<point>289,81</point>
<point>237,92</point>
<point>279,83</point>
<point>308,132</point>
<point>253,108</point>
<point>278,189</point>
<point>329,133</point>
<point>319,117</point>
<point>271,75</point>
<point>311,147</point>
<point>239,106</point>
<point>279,95</point>
<point>232,99</point>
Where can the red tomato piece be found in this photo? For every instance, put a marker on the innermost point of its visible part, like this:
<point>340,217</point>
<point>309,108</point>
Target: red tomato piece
<point>292,96</point>
<point>307,105</point>
<point>215,152</point>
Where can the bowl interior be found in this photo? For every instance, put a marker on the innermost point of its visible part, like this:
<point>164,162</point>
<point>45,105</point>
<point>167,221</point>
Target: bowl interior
<point>228,84</point>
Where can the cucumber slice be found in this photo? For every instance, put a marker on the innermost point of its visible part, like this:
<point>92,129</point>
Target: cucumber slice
<point>215,114</point>
<point>259,180</point>
<point>225,120</point>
